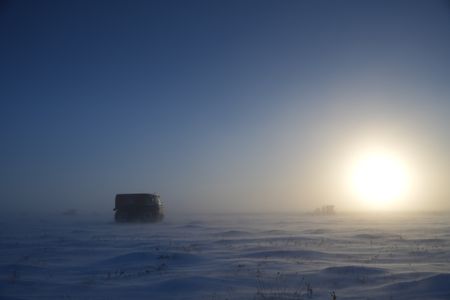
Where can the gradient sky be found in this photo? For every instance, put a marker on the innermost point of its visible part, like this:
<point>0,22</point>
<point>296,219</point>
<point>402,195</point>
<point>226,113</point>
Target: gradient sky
<point>218,105</point>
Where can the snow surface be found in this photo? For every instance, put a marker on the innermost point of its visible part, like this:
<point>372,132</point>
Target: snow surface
<point>226,257</point>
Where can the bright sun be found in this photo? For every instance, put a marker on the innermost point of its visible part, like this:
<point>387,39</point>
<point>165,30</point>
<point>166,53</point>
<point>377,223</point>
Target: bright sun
<point>380,179</point>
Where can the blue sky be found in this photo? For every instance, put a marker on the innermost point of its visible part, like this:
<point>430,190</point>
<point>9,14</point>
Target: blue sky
<point>212,103</point>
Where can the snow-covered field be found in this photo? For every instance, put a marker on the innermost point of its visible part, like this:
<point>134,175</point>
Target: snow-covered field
<point>226,257</point>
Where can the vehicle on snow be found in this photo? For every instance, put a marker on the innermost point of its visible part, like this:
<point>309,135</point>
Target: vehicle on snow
<point>138,208</point>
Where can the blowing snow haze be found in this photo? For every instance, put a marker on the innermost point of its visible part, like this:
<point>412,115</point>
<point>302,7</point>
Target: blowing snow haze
<point>170,149</point>
<point>225,105</point>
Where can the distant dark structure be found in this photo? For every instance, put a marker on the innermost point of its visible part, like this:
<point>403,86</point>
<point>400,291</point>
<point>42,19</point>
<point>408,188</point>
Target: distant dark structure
<point>326,210</point>
<point>138,208</point>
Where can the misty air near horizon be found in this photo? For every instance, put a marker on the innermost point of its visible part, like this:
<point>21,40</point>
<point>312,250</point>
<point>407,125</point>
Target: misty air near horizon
<point>225,149</point>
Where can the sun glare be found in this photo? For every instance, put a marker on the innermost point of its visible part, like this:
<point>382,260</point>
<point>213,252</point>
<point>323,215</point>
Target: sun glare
<point>380,179</point>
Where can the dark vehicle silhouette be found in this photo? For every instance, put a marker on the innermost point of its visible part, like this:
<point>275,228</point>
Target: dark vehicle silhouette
<point>138,208</point>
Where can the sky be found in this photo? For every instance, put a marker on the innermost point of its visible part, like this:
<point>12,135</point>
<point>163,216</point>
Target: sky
<point>219,105</point>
